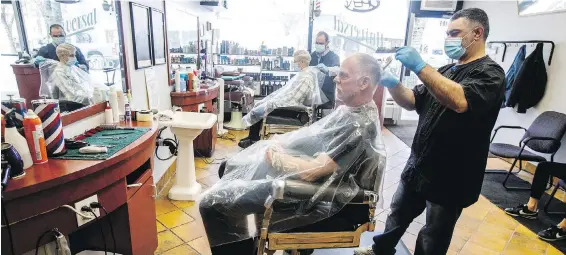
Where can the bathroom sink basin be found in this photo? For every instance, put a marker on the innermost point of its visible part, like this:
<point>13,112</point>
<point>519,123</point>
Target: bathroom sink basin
<point>187,126</point>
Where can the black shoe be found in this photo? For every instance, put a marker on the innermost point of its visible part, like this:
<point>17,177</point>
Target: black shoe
<point>245,143</point>
<point>522,211</point>
<point>552,234</point>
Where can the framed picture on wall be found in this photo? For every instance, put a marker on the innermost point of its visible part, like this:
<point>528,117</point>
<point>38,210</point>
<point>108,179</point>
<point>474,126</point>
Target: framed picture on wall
<point>532,7</point>
<point>158,37</point>
<point>139,18</point>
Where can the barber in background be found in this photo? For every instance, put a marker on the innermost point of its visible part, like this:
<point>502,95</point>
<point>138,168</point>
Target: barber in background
<point>57,34</point>
<point>458,105</point>
<point>324,58</point>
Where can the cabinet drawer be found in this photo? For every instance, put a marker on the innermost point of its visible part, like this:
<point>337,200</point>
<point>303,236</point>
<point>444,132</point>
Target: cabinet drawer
<point>136,179</point>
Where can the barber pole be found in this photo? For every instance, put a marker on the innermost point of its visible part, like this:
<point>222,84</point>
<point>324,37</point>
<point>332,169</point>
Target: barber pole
<point>48,112</point>
<point>15,104</point>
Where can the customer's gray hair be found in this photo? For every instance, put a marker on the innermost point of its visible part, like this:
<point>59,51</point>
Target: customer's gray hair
<point>369,66</point>
<point>302,56</point>
<point>64,50</point>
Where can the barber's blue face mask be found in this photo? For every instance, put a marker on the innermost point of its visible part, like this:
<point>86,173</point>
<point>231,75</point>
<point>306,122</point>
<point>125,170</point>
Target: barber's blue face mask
<point>72,61</point>
<point>58,40</point>
<point>453,47</point>
<point>319,48</point>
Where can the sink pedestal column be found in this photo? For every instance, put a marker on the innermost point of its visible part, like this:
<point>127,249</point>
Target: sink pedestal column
<point>186,186</point>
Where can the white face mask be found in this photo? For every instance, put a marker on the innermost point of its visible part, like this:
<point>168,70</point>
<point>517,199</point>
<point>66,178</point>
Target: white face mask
<point>319,48</point>
<point>71,61</point>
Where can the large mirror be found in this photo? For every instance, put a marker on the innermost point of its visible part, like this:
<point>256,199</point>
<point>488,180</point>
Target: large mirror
<point>92,29</point>
<point>182,40</point>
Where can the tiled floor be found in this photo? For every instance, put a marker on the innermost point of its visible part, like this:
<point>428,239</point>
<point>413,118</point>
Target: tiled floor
<point>482,228</point>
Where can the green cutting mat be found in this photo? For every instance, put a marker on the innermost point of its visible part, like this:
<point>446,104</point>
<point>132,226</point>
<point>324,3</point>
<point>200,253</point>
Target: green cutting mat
<point>118,139</point>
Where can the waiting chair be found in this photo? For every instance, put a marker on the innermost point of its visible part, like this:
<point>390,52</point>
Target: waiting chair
<point>543,136</point>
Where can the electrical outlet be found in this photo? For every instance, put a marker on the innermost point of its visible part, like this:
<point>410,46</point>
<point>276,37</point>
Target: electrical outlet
<point>86,202</point>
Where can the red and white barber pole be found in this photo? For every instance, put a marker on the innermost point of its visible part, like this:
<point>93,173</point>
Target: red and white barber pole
<point>316,9</point>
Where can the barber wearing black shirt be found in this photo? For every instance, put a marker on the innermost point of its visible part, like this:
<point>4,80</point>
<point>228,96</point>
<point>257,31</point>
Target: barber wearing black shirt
<point>458,105</point>
<point>323,58</point>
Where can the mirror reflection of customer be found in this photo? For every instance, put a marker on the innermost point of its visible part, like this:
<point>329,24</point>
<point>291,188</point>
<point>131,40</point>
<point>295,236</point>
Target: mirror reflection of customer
<point>58,36</point>
<point>63,80</point>
<point>324,59</point>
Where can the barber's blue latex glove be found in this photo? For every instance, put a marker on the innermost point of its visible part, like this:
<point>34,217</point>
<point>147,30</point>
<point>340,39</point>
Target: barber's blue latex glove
<point>410,58</point>
<point>322,67</point>
<point>38,60</point>
<point>388,80</point>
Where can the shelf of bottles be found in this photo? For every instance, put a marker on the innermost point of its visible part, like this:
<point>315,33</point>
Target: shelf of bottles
<point>271,67</point>
<point>184,56</point>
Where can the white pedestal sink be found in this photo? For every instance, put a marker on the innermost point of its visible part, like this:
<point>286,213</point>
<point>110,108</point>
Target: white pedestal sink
<point>187,126</point>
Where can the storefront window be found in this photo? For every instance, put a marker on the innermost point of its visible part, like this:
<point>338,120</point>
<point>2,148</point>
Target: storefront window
<point>91,26</point>
<point>8,49</point>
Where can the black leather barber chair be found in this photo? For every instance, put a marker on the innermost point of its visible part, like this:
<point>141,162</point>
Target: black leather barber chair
<point>342,230</point>
<point>285,119</point>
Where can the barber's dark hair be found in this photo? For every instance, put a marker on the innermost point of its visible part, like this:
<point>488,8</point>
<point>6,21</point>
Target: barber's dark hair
<point>326,37</point>
<point>55,26</point>
<point>475,15</point>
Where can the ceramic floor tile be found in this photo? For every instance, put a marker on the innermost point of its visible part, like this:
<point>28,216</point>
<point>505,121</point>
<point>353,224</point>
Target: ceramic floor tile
<point>475,249</point>
<point>463,232</point>
<point>181,250</point>
<point>166,241</point>
<point>409,240</point>
<point>518,249</point>
<point>490,241</point>
<point>193,211</point>
<point>529,243</point>
<point>190,231</point>
<point>499,218</point>
<point>202,173</point>
<point>163,206</point>
<point>183,204</point>
<point>526,232</point>
<point>469,222</point>
<point>201,245</point>
<point>174,219</point>
<point>160,227</point>
<point>457,244</point>
<point>553,251</point>
<point>414,228</point>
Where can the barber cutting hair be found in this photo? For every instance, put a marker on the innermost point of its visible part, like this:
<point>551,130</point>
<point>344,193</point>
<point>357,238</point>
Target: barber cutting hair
<point>458,105</point>
<point>48,51</point>
<point>324,59</point>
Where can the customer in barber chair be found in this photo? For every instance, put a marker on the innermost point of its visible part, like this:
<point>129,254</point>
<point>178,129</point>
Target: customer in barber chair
<point>341,154</point>
<point>58,37</point>
<point>65,81</point>
<point>301,90</point>
<point>530,209</point>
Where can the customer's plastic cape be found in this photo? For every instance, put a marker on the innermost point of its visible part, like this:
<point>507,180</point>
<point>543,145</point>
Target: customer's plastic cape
<point>68,83</point>
<point>304,89</point>
<point>347,142</point>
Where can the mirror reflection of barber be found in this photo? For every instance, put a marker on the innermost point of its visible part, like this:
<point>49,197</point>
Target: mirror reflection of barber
<point>325,59</point>
<point>58,36</point>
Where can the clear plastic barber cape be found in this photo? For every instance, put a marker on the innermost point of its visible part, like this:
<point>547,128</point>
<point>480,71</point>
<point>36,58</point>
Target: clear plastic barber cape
<point>304,89</point>
<point>63,82</point>
<point>346,145</point>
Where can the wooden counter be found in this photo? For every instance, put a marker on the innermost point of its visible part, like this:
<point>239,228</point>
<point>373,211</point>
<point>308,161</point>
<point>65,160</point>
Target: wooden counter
<point>205,143</point>
<point>33,203</point>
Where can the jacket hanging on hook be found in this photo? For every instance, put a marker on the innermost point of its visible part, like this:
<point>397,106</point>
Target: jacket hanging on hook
<point>530,82</point>
<point>513,71</point>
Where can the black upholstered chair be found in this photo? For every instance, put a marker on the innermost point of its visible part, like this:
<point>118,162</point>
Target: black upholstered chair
<point>286,119</point>
<point>543,136</point>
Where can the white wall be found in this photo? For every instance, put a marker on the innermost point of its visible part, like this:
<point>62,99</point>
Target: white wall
<point>506,24</point>
<point>137,77</point>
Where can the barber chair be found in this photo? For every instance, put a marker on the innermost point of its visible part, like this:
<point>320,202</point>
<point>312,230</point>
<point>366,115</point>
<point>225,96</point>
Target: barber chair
<point>342,230</point>
<point>239,101</point>
<point>107,71</point>
<point>286,119</point>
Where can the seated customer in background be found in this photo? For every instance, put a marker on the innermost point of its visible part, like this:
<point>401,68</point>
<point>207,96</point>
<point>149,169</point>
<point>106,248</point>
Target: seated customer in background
<point>63,80</point>
<point>298,92</point>
<point>343,150</point>
<point>530,209</point>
